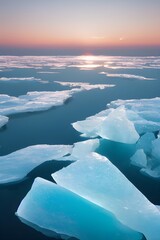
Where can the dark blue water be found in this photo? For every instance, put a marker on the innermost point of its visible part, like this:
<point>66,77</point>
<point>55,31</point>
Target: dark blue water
<point>54,127</point>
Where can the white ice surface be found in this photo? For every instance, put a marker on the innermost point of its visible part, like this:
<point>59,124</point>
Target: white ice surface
<point>112,124</point>
<point>15,166</point>
<point>117,127</point>
<point>99,181</point>
<point>81,149</point>
<point>50,207</point>
<point>15,79</point>
<point>85,86</point>
<point>33,101</point>
<point>117,75</point>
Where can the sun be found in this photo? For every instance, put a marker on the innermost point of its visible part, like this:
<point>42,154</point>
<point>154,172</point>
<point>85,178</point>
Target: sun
<point>88,58</point>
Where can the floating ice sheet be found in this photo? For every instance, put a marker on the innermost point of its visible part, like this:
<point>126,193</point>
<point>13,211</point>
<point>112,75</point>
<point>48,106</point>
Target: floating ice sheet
<point>33,101</point>
<point>85,86</point>
<point>99,181</point>
<point>15,79</point>
<point>118,75</point>
<point>58,212</point>
<point>3,120</point>
<point>15,166</point>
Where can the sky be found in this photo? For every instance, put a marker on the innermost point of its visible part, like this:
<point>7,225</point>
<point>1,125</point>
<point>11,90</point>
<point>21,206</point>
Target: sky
<point>80,26</point>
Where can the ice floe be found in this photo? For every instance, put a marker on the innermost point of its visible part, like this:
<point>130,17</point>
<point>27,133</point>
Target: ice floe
<point>99,181</point>
<point>49,72</point>
<point>115,126</point>
<point>149,109</point>
<point>60,213</point>
<point>3,120</point>
<point>34,101</point>
<point>15,79</point>
<point>15,166</point>
<point>120,75</point>
<point>129,121</point>
<point>85,86</point>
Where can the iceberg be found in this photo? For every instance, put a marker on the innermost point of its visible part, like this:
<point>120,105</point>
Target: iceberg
<point>15,166</point>
<point>139,159</point>
<point>3,120</point>
<point>115,126</point>
<point>60,213</point>
<point>96,179</point>
<point>34,101</point>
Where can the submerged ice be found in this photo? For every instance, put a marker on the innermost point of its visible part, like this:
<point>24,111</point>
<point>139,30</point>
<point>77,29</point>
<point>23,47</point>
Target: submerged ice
<point>3,120</point>
<point>15,166</point>
<point>60,213</point>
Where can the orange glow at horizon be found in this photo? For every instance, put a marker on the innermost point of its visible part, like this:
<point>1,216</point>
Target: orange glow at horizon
<point>43,41</point>
<point>78,24</point>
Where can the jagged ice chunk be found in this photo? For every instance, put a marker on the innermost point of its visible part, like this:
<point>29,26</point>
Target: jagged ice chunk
<point>99,181</point>
<point>57,212</point>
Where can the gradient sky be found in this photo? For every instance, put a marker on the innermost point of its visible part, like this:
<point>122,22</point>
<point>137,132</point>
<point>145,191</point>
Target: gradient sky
<point>79,24</point>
